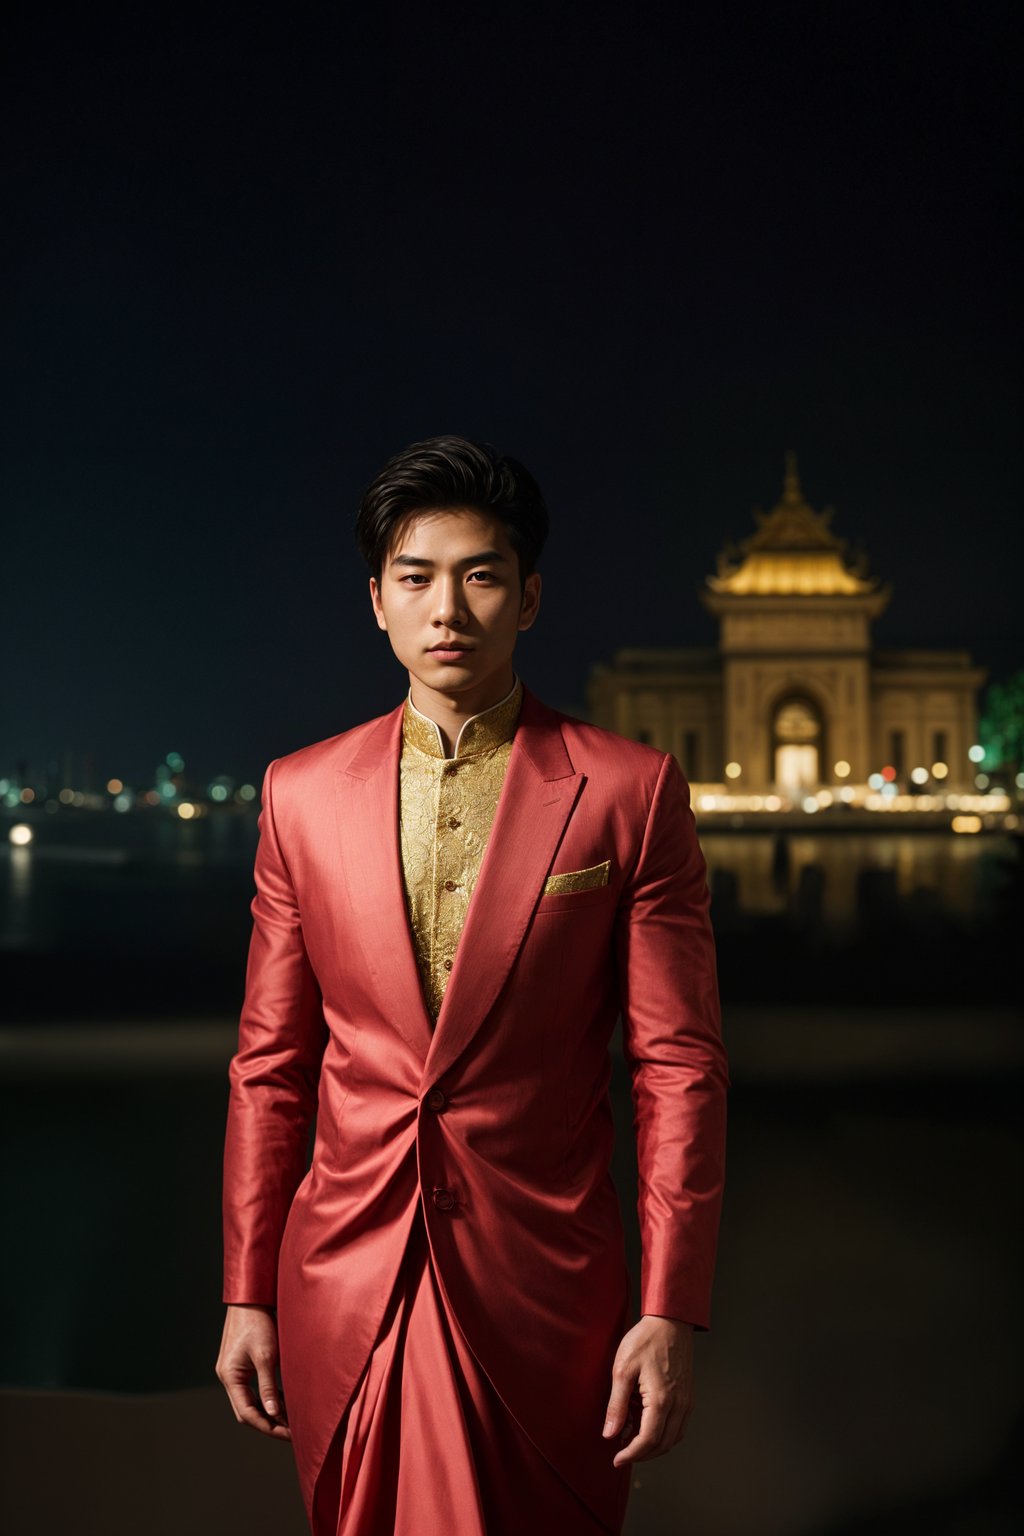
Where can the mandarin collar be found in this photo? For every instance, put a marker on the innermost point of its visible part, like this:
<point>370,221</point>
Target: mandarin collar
<point>480,733</point>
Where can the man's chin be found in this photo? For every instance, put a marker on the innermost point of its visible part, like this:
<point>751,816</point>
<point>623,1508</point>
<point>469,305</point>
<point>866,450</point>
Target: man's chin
<point>474,671</point>
<point>445,675</point>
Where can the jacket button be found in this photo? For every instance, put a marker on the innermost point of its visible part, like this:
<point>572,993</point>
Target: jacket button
<point>436,1100</point>
<point>443,1199</point>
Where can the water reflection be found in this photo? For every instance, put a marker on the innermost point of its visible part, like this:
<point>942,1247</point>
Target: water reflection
<point>766,874</point>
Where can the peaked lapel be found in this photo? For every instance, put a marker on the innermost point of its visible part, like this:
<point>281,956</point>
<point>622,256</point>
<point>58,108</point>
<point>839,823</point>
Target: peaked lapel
<point>367,800</point>
<point>537,796</point>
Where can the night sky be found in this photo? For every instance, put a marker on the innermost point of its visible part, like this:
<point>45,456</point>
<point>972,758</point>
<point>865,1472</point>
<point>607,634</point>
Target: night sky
<point>251,253</point>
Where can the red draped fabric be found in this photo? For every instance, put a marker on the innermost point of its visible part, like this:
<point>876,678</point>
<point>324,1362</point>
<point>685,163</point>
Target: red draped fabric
<point>427,1446</point>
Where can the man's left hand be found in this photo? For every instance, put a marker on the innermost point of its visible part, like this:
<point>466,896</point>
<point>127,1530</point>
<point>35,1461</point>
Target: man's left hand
<point>653,1370</point>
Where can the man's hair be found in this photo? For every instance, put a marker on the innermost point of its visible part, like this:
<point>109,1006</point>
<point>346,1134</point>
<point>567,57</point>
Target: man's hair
<point>443,473</point>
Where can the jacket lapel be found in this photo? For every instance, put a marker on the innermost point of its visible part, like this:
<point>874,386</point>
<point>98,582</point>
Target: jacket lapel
<point>536,801</point>
<point>367,799</point>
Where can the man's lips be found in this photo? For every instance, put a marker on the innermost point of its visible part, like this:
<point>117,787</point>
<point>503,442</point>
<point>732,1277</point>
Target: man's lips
<point>454,645</point>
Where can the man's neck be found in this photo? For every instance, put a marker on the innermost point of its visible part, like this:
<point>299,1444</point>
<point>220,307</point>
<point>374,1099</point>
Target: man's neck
<point>450,711</point>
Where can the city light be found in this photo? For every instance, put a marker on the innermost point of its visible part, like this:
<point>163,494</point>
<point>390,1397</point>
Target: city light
<point>936,793</point>
<point>976,753</point>
<point>20,834</point>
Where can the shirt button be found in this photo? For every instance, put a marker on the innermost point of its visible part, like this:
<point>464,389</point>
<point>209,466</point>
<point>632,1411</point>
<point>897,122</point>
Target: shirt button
<point>443,1199</point>
<point>453,822</point>
<point>450,885</point>
<point>436,1100</point>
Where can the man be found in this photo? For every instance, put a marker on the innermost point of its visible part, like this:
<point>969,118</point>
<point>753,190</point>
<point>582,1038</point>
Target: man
<point>455,902</point>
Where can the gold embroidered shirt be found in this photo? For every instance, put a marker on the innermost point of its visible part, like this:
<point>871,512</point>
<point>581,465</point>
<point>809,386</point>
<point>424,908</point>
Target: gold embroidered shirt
<point>447,805</point>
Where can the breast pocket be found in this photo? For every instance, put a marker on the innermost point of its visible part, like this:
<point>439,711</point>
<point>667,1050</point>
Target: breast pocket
<point>577,889</point>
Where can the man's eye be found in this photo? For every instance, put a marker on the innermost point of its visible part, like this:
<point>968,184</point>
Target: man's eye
<point>487,575</point>
<point>413,577</point>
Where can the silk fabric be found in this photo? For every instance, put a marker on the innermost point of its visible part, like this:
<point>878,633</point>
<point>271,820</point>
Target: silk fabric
<point>492,1126</point>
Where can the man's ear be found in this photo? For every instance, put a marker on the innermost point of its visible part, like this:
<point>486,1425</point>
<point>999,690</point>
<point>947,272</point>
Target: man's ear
<point>530,603</point>
<point>378,609</point>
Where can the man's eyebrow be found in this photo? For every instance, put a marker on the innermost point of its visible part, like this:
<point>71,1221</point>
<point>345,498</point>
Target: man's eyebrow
<point>484,554</point>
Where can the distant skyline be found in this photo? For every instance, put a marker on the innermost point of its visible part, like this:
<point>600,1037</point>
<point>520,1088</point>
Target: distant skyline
<point>646,252</point>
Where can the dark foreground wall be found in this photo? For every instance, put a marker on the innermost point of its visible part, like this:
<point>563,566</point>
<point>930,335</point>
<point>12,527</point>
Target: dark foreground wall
<point>859,1375</point>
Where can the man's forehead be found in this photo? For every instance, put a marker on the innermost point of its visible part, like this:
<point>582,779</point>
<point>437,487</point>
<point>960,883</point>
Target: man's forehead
<point>448,531</point>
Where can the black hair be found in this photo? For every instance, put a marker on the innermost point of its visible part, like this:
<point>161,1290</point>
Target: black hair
<point>447,472</point>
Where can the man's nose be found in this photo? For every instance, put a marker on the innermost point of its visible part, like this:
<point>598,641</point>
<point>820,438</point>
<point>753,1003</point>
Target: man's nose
<point>449,607</point>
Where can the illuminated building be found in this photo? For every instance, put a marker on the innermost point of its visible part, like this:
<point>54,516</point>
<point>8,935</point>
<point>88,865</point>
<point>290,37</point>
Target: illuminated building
<point>795,700</point>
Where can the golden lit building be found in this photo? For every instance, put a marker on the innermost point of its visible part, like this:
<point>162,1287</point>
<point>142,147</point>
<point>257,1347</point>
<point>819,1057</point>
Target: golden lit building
<point>795,698</point>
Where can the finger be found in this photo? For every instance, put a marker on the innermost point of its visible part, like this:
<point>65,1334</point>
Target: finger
<point>253,1416</point>
<point>618,1401</point>
<point>632,1420</point>
<point>652,1421</point>
<point>257,1420</point>
<point>270,1392</point>
<point>247,1411</point>
<point>672,1431</point>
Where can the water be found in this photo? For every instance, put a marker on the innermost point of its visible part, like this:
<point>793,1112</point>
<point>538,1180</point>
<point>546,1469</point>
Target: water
<point>146,915</point>
<point>966,876</point>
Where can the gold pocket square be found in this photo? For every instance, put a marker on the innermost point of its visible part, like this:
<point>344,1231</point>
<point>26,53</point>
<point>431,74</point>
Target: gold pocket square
<point>578,879</point>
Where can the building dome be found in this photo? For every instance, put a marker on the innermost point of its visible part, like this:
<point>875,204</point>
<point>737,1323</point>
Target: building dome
<point>793,553</point>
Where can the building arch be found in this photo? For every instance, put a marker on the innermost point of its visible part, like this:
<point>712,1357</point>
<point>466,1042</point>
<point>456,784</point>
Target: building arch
<point>797,727</point>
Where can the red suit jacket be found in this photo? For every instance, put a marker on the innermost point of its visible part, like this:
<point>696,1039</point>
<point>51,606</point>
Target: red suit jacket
<point>497,1121</point>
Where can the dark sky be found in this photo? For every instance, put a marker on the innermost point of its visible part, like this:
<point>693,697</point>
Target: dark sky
<point>251,253</point>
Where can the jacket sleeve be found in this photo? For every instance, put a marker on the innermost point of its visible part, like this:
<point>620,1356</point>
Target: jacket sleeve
<point>273,1077</point>
<point>672,1039</point>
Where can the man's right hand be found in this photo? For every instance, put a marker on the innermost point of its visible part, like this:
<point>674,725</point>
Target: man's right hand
<point>248,1348</point>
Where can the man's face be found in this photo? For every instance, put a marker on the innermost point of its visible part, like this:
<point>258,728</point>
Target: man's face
<point>452,575</point>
